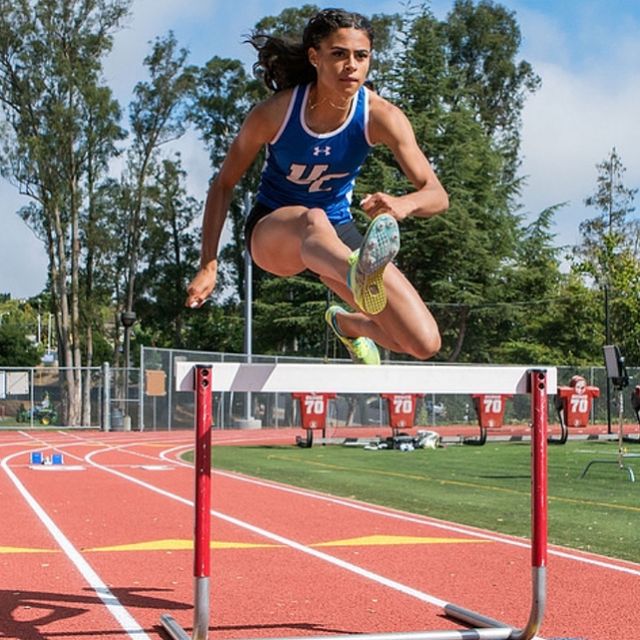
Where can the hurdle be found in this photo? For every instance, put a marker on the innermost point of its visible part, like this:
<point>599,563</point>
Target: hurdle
<point>204,378</point>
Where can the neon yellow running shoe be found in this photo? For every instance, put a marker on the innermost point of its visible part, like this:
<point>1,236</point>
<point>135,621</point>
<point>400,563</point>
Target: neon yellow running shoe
<point>362,350</point>
<point>366,265</point>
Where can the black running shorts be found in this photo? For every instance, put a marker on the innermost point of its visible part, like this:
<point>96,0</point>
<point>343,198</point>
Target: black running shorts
<point>347,231</point>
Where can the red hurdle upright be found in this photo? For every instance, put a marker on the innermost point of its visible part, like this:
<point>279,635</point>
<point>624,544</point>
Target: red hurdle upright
<point>202,524</point>
<point>294,378</point>
<point>539,425</point>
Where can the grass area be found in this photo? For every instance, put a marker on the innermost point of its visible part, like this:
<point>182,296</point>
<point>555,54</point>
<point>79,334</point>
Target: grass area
<point>486,487</point>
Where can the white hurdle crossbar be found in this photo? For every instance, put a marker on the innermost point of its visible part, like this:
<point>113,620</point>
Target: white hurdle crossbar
<point>348,378</point>
<point>203,378</point>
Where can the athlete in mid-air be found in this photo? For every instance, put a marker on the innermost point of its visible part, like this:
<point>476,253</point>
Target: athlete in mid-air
<point>318,128</point>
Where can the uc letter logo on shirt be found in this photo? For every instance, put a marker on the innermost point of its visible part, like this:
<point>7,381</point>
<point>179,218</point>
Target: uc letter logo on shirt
<point>315,178</point>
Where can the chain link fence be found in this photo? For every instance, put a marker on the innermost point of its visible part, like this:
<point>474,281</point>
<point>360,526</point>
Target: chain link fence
<point>144,398</point>
<point>33,397</point>
<point>164,408</point>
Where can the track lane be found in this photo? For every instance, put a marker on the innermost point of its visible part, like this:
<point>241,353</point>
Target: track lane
<point>513,578</point>
<point>480,596</point>
<point>266,583</point>
<point>281,597</point>
<point>54,603</point>
<point>287,593</point>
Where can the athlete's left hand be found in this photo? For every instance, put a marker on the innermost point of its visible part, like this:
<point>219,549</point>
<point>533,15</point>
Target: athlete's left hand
<point>375,204</point>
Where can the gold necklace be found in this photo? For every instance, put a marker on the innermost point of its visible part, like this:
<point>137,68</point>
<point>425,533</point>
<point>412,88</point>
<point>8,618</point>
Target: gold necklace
<point>331,104</point>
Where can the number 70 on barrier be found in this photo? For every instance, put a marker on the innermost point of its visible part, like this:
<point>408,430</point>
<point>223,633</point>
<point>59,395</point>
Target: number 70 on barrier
<point>314,405</point>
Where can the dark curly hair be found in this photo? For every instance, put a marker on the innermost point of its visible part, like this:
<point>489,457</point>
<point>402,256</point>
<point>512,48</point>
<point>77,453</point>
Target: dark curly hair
<point>283,64</point>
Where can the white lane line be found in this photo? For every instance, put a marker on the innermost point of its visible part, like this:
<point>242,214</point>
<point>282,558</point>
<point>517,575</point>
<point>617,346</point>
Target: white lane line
<point>173,454</point>
<point>125,447</point>
<point>170,455</point>
<point>280,539</point>
<point>364,573</point>
<point>425,521</point>
<point>113,605</point>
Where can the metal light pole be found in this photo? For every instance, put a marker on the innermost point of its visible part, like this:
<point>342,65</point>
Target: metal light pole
<point>127,318</point>
<point>248,303</point>
<point>607,332</point>
<point>607,324</point>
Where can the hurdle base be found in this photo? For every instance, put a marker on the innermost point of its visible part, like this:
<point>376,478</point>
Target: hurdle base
<point>200,615</point>
<point>619,464</point>
<point>503,633</point>
<point>175,631</point>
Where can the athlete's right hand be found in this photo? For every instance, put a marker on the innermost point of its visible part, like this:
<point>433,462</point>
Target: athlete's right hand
<point>375,204</point>
<point>202,286</point>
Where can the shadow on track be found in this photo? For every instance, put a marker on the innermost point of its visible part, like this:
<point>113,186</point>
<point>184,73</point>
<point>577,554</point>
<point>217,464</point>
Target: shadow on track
<point>27,614</point>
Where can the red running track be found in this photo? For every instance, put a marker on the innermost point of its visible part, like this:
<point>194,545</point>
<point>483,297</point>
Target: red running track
<point>101,551</point>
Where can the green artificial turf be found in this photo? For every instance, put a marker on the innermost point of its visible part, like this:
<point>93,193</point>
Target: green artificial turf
<point>484,486</point>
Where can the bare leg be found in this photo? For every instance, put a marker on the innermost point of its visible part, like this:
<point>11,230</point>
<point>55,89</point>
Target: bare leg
<point>404,326</point>
<point>292,239</point>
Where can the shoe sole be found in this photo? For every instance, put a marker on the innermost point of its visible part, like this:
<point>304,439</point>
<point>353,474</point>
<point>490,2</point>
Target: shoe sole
<point>379,247</point>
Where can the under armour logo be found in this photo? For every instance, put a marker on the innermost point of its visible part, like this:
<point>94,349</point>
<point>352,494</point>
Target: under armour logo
<point>325,150</point>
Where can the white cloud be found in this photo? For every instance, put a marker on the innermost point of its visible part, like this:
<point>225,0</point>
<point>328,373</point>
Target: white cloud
<point>571,125</point>
<point>542,38</point>
<point>588,62</point>
<point>148,20</point>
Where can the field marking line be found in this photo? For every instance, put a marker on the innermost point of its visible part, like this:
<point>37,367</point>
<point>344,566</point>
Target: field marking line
<point>113,605</point>
<point>173,454</point>
<point>461,483</point>
<point>426,521</point>
<point>264,533</point>
<point>365,573</point>
<point>120,447</point>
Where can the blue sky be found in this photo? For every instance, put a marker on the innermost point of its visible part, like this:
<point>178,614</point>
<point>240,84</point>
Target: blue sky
<point>587,54</point>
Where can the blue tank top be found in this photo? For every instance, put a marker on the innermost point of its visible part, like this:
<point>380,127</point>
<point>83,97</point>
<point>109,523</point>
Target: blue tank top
<point>315,169</point>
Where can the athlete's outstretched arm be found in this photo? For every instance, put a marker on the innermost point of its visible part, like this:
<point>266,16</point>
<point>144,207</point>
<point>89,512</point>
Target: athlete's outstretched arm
<point>390,126</point>
<point>258,128</point>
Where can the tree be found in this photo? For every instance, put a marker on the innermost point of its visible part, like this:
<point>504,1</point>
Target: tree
<point>50,64</point>
<point>289,316</point>
<point>608,255</point>
<point>17,347</point>
<point>16,350</point>
<point>463,88</point>
<point>459,115</point>
<point>156,117</point>
<point>221,328</point>
<point>548,316</point>
<point>222,96</point>
<point>482,43</point>
<point>170,250</point>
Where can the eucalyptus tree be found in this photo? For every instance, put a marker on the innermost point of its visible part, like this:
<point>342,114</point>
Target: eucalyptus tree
<point>51,54</point>
<point>157,116</point>
<point>170,255</point>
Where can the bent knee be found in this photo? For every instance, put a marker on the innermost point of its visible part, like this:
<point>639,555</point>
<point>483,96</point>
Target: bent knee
<point>425,346</point>
<point>316,219</point>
